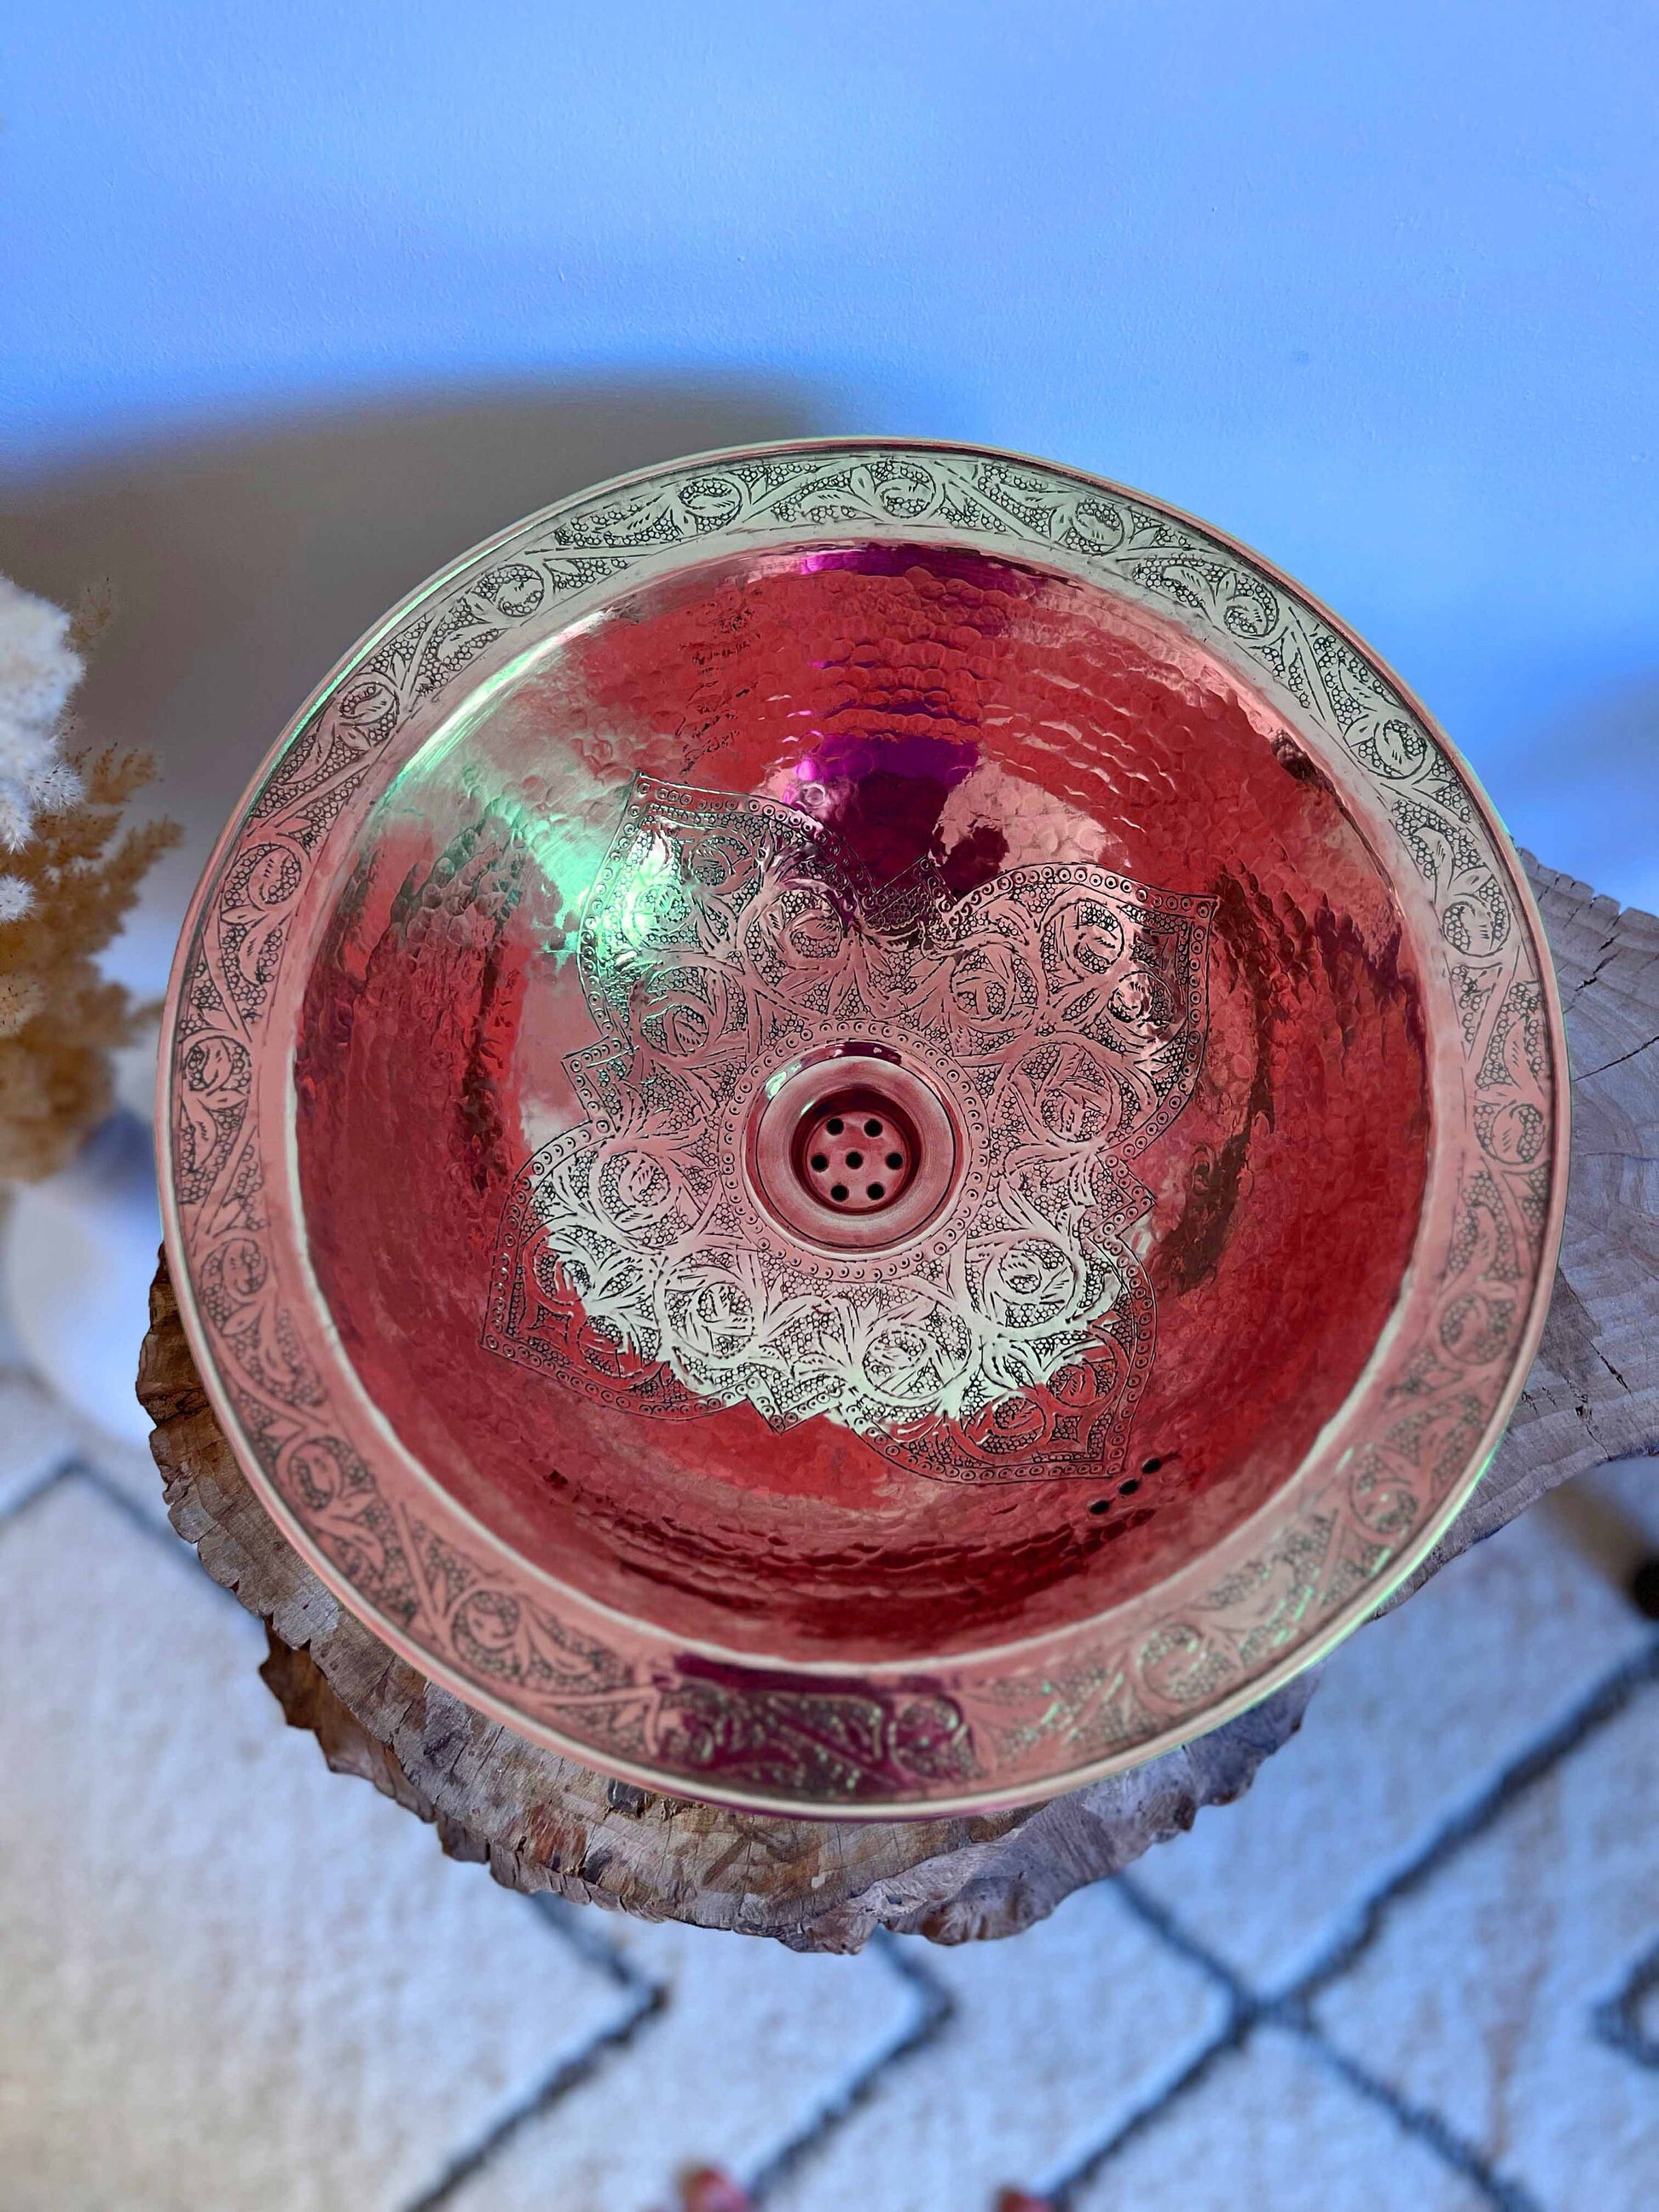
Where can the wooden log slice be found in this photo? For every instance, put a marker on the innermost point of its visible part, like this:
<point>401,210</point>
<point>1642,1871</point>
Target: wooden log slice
<point>540,1821</point>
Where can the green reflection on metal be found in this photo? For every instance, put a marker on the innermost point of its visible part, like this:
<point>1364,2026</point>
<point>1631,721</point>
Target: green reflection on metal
<point>567,837</point>
<point>650,911</point>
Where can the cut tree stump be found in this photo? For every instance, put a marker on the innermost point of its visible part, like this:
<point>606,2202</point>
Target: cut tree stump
<point>543,1822</point>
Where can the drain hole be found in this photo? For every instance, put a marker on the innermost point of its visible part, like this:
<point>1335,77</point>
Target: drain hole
<point>1101,1505</point>
<point>1129,1489</point>
<point>853,1153</point>
<point>1150,1465</point>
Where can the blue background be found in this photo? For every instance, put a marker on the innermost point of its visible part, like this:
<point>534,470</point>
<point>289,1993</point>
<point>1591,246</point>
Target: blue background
<point>1372,288</point>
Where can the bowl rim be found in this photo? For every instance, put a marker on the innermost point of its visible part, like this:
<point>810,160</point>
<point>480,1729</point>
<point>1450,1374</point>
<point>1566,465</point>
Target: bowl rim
<point>922,1695</point>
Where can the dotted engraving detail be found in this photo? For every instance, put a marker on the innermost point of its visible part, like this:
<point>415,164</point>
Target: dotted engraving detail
<point>995,1730</point>
<point>1062,1008</point>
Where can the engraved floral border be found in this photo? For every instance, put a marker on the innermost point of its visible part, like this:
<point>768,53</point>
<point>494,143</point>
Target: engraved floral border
<point>966,1733</point>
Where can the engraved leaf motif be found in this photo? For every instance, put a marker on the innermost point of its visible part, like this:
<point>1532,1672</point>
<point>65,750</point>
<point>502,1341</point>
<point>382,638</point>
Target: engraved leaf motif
<point>724,936</point>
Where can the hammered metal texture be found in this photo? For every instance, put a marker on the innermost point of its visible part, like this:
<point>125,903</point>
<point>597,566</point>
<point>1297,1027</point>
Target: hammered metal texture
<point>1060,1009</point>
<point>1226,1020</point>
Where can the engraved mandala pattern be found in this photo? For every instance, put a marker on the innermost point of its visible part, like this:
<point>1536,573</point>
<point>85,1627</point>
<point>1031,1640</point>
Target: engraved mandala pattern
<point>1063,1008</point>
<point>996,1731</point>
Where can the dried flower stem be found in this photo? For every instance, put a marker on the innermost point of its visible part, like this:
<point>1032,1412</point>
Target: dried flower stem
<point>71,877</point>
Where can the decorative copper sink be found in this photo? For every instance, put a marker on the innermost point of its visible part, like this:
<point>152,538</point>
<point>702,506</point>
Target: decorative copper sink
<point>863,1127</point>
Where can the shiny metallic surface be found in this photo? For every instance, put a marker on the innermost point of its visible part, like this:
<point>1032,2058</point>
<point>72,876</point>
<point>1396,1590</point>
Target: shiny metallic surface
<point>1194,991</point>
<point>842,1147</point>
<point>854,1150</point>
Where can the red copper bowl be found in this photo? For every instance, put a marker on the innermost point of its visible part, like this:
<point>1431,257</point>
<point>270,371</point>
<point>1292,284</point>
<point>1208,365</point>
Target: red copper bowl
<point>863,1127</point>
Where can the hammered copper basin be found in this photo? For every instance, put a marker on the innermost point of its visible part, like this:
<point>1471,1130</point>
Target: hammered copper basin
<point>863,1127</point>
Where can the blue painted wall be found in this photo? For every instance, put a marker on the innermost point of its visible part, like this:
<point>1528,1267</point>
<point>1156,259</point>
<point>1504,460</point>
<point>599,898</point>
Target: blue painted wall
<point>1371,286</point>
